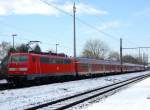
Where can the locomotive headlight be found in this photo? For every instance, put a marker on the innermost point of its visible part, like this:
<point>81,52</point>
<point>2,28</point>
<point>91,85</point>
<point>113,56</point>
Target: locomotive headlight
<point>12,69</point>
<point>23,69</point>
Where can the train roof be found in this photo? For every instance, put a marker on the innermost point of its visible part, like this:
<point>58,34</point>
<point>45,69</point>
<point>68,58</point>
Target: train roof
<point>87,60</point>
<point>61,55</point>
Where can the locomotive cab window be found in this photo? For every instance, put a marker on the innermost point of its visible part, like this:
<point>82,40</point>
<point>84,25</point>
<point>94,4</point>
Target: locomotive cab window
<point>16,59</point>
<point>23,59</point>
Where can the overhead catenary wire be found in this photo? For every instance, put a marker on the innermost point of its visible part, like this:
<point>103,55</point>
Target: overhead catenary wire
<point>87,24</point>
<point>80,20</point>
<point>125,40</point>
<point>30,32</point>
<point>44,43</point>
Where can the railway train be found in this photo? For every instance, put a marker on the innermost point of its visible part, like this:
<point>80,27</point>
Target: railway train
<point>30,66</point>
<point>0,72</point>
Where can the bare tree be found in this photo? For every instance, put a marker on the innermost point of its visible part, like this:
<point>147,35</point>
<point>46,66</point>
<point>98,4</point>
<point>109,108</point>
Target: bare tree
<point>22,48</point>
<point>130,59</point>
<point>4,55</point>
<point>145,59</point>
<point>114,56</point>
<point>95,49</point>
<point>4,48</point>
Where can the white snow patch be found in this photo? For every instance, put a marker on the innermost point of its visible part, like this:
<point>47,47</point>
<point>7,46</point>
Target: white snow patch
<point>136,97</point>
<point>23,98</point>
<point>3,81</point>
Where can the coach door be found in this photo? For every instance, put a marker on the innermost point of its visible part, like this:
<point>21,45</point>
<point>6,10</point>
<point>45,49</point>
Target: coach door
<point>90,69</point>
<point>104,68</point>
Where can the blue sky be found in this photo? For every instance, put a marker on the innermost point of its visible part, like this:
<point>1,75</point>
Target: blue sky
<point>34,20</point>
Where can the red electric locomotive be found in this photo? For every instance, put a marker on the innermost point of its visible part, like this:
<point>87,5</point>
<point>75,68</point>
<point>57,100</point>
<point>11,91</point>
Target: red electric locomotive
<point>30,66</point>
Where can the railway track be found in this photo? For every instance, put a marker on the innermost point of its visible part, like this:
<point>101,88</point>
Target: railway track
<point>6,86</point>
<point>3,86</point>
<point>76,99</point>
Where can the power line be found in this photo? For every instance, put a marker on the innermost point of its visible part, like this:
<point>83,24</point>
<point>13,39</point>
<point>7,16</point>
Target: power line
<point>20,28</point>
<point>83,22</point>
<point>130,42</point>
<point>44,43</point>
<point>56,8</point>
<point>25,31</point>
<point>87,24</point>
<point>126,41</point>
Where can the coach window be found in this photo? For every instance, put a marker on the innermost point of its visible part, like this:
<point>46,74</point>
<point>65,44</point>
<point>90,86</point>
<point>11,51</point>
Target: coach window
<point>62,61</point>
<point>52,61</point>
<point>44,60</point>
<point>84,65</point>
<point>59,61</point>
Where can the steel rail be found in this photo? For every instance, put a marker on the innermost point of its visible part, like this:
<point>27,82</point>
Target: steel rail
<point>3,86</point>
<point>101,91</point>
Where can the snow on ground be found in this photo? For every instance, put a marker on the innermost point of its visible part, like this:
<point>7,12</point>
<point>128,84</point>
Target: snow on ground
<point>3,81</point>
<point>136,97</point>
<point>25,97</point>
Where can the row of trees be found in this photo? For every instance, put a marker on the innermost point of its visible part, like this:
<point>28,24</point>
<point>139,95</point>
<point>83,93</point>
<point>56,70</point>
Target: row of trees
<point>97,49</point>
<point>5,48</point>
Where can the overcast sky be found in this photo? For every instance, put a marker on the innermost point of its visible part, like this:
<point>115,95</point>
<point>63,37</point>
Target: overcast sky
<point>35,20</point>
